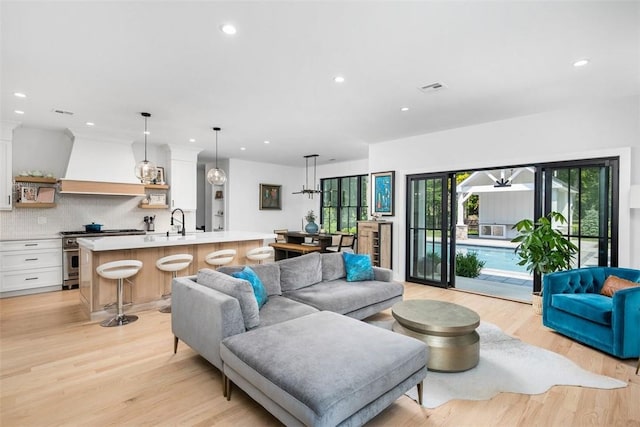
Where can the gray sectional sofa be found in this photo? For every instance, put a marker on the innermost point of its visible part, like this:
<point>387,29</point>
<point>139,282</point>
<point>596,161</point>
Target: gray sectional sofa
<point>304,338</point>
<point>203,316</point>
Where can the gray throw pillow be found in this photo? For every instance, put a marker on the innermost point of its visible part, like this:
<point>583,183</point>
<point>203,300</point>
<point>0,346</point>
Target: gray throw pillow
<point>268,273</point>
<point>236,288</point>
<point>332,266</point>
<point>300,272</point>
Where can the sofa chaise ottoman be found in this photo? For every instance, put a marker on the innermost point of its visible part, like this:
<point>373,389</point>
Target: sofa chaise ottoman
<point>323,369</point>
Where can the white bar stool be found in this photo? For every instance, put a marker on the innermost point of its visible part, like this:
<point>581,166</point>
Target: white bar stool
<point>221,257</point>
<point>173,263</point>
<point>260,254</point>
<point>119,270</point>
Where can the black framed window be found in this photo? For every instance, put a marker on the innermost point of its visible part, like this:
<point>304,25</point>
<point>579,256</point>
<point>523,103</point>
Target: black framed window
<point>344,202</point>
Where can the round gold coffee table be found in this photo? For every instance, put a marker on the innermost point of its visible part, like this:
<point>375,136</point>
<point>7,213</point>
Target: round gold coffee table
<point>448,329</point>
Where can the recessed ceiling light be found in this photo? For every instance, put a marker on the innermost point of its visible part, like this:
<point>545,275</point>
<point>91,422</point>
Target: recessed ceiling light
<point>404,109</point>
<point>228,29</point>
<point>146,132</point>
<point>192,140</point>
<point>90,124</point>
<point>267,142</point>
<point>581,62</point>
<point>338,79</point>
<point>18,111</point>
<point>19,95</point>
<point>242,148</point>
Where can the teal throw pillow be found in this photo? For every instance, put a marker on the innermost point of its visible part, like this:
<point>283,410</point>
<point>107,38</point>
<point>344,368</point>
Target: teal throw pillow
<point>358,267</point>
<point>258,288</point>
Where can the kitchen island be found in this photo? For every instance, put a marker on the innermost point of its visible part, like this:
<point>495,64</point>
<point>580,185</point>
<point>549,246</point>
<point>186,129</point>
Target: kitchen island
<point>144,290</point>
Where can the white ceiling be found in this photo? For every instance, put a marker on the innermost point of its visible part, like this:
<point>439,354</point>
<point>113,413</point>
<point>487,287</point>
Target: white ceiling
<point>273,80</point>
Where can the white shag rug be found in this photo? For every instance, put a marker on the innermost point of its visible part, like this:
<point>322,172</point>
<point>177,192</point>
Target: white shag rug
<point>508,365</point>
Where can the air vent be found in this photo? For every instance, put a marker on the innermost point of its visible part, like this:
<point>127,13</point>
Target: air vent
<point>433,87</point>
<point>68,113</point>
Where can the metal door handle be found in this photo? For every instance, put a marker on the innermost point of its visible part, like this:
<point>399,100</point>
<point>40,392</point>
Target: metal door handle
<point>31,244</point>
<point>31,278</point>
<point>31,259</point>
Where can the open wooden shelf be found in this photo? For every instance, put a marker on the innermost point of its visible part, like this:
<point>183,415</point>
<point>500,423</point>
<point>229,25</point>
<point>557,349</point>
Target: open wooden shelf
<point>156,186</point>
<point>35,179</point>
<point>35,205</point>
<point>141,206</point>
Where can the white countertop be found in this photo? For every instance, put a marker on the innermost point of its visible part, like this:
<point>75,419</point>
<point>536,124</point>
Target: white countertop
<point>112,243</point>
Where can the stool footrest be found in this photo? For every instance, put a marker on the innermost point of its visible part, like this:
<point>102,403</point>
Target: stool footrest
<point>119,320</point>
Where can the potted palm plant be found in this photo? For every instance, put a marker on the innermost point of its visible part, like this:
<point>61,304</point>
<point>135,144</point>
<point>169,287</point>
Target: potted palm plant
<point>543,249</point>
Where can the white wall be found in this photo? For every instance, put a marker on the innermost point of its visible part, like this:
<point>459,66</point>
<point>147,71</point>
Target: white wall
<point>245,178</point>
<point>39,149</point>
<point>334,169</point>
<point>611,129</point>
<point>243,187</point>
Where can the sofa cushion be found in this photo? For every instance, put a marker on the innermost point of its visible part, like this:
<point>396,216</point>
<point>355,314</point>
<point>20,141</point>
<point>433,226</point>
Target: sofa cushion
<point>614,284</point>
<point>236,288</point>
<point>332,266</point>
<point>280,309</point>
<point>268,273</point>
<point>594,307</point>
<point>357,266</point>
<point>258,288</point>
<point>342,297</point>
<point>300,272</point>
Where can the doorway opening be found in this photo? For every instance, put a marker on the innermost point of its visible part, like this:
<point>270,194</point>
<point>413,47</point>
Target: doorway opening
<point>460,223</point>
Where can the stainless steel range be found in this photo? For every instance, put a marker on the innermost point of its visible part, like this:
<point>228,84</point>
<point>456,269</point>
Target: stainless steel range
<point>70,255</point>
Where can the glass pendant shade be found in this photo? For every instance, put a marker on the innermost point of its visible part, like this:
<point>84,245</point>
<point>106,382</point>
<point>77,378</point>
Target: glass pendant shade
<point>146,171</point>
<point>216,176</point>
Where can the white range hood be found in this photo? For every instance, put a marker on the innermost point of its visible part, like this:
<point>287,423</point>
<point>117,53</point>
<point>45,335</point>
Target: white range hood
<point>100,165</point>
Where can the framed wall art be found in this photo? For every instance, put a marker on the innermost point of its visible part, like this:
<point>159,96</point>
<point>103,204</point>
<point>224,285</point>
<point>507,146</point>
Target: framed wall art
<point>270,196</point>
<point>28,194</point>
<point>157,199</point>
<point>160,176</point>
<point>382,193</point>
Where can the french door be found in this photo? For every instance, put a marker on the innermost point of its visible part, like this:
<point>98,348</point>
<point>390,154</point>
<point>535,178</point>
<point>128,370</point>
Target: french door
<point>586,193</point>
<point>429,219</point>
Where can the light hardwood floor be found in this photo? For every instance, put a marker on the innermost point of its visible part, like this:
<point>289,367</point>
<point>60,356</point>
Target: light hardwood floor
<point>57,369</point>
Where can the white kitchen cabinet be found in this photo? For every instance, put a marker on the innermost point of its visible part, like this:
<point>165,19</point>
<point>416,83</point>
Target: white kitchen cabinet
<point>183,179</point>
<point>30,266</point>
<point>6,180</point>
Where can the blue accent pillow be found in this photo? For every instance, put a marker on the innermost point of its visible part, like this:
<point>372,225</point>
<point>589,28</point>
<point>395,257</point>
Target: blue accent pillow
<point>259,290</point>
<point>358,267</point>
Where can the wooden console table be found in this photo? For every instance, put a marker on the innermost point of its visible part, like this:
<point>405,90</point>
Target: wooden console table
<point>290,250</point>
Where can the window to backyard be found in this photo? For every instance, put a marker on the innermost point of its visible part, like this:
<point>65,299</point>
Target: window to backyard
<point>344,203</point>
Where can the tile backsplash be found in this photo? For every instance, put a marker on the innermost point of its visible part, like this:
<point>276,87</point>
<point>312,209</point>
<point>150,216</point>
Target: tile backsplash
<point>74,211</point>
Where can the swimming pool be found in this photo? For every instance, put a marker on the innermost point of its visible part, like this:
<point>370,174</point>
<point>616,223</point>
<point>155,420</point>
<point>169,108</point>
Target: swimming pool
<point>495,258</point>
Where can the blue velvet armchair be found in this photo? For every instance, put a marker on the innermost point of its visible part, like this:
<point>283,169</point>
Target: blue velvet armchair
<point>573,306</point>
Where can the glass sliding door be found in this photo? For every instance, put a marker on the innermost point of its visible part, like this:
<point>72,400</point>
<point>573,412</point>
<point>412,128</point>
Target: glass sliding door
<point>428,224</point>
<point>586,193</point>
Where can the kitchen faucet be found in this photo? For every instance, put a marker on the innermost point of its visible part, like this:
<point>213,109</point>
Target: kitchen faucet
<point>182,223</point>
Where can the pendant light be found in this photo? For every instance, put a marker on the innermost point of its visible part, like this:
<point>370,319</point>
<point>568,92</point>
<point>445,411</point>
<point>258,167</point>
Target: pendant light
<point>146,171</point>
<point>310,191</point>
<point>216,176</point>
